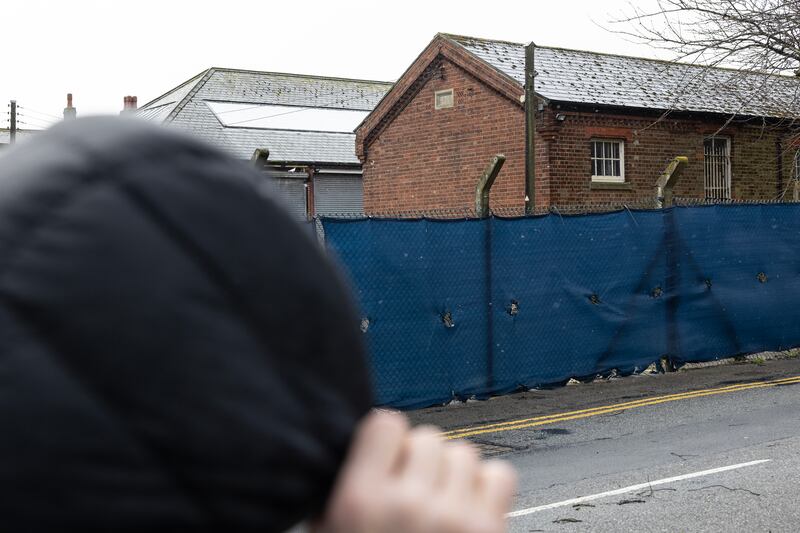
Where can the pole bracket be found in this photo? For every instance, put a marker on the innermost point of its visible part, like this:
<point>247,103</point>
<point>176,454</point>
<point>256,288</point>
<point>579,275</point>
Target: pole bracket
<point>260,157</point>
<point>485,185</point>
<point>668,179</point>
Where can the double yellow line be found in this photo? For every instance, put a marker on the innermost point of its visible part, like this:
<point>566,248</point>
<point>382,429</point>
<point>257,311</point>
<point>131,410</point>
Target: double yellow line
<point>523,423</point>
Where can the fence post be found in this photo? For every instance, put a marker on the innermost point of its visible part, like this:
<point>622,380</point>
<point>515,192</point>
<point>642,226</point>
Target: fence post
<point>483,211</point>
<point>260,156</point>
<point>485,185</point>
<point>664,198</point>
<point>668,179</point>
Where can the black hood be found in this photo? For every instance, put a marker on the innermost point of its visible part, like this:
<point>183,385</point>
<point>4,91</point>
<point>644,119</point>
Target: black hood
<point>175,352</point>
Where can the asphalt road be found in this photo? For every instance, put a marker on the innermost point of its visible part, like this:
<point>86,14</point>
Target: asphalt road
<point>715,449</point>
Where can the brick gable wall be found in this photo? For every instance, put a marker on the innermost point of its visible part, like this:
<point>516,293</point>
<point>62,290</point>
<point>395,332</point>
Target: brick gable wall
<point>431,159</point>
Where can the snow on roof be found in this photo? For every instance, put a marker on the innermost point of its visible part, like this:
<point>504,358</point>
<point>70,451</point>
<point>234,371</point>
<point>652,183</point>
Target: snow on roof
<point>577,76</point>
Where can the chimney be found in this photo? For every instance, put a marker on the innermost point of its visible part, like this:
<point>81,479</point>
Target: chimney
<point>69,111</point>
<point>129,104</point>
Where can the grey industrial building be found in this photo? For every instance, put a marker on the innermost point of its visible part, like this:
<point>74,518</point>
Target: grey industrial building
<point>304,123</point>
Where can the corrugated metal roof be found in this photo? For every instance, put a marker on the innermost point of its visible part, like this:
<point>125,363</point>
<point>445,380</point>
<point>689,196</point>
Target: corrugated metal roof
<point>185,108</point>
<point>602,79</point>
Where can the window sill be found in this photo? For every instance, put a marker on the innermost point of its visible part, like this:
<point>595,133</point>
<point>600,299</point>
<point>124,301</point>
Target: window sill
<point>610,186</point>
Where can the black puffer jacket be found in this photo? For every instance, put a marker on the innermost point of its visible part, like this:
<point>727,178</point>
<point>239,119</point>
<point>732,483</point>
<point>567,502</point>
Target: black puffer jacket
<point>175,352</point>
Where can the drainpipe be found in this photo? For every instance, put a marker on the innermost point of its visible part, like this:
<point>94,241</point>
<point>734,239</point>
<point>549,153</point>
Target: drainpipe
<point>530,131</point>
<point>310,207</point>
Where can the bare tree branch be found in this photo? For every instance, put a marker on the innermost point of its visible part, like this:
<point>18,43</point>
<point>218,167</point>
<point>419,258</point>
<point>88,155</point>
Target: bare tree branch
<point>755,35</point>
<point>747,36</point>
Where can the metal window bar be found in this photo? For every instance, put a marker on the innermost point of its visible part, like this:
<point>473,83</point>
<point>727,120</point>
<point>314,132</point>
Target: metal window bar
<point>717,164</point>
<point>606,160</point>
<point>796,166</point>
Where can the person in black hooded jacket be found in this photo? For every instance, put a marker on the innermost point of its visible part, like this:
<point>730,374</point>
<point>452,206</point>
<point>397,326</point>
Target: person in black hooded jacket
<point>176,354</point>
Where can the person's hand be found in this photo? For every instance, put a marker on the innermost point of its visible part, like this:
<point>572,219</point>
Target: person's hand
<point>398,479</point>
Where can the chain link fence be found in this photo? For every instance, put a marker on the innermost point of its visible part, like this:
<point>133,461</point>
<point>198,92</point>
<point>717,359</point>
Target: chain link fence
<point>694,202</point>
<point>455,307</point>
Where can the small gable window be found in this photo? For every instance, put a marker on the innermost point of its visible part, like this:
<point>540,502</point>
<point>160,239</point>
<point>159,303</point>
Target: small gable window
<point>608,160</point>
<point>443,99</point>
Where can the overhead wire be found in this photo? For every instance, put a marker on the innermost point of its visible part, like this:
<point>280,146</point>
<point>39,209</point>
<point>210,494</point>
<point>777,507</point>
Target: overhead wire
<point>272,116</point>
<point>37,119</point>
<point>298,110</point>
<point>40,119</point>
<point>35,126</point>
<point>42,113</point>
<point>242,109</point>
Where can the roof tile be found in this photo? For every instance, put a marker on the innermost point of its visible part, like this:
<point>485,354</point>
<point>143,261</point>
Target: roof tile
<point>227,85</point>
<point>601,79</point>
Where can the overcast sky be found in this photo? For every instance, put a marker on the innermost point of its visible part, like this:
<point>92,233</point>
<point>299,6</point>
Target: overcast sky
<point>101,51</point>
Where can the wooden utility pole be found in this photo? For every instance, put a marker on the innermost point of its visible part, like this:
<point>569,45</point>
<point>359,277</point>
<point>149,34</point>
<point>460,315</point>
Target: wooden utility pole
<point>482,210</point>
<point>13,130</point>
<point>530,131</point>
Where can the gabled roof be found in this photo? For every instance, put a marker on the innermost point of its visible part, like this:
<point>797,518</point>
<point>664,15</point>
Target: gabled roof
<point>417,74</point>
<point>583,77</point>
<point>186,107</point>
<point>159,109</point>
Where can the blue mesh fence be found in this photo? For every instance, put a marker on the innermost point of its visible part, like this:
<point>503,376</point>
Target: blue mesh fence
<point>470,307</point>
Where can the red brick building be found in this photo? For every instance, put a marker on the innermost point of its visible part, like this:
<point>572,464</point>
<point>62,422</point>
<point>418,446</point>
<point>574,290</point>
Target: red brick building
<point>606,127</point>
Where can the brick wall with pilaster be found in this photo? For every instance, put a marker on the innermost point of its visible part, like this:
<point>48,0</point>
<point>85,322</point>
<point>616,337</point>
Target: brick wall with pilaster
<point>649,144</point>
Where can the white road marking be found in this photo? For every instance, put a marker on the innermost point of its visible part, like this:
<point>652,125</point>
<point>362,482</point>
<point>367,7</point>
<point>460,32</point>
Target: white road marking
<point>640,486</point>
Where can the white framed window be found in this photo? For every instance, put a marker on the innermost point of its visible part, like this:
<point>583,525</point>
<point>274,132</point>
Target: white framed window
<point>443,99</point>
<point>608,160</point>
<point>717,161</point>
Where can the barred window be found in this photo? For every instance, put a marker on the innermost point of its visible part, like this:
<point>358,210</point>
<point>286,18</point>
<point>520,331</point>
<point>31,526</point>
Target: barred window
<point>796,166</point>
<point>608,160</point>
<point>717,159</point>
